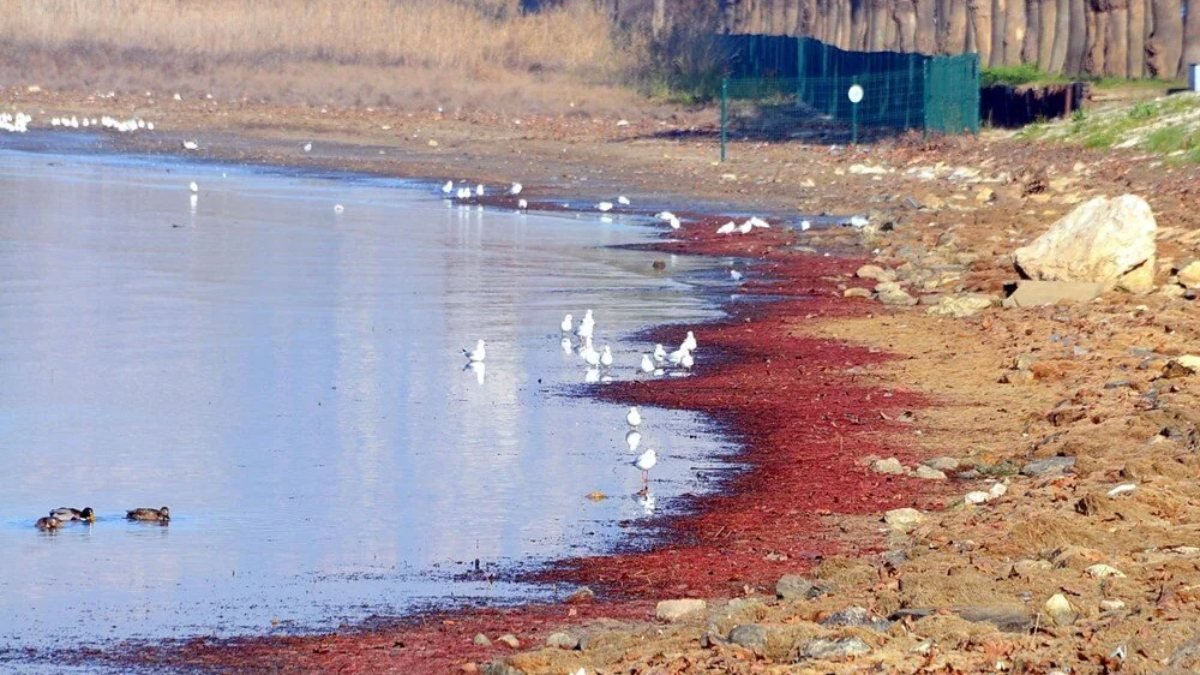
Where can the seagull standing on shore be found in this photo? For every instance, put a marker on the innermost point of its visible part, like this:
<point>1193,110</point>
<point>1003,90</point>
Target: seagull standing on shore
<point>606,357</point>
<point>448,187</point>
<point>745,227</point>
<point>479,190</point>
<point>645,462</point>
<point>308,147</point>
<point>805,226</point>
<point>522,204</point>
<point>193,187</point>
<point>647,364</point>
<point>633,417</point>
<point>604,207</point>
<point>589,353</point>
<point>676,357</point>
<point>478,354</point>
<point>660,353</point>
<point>623,200</point>
<point>566,345</point>
<point>567,322</point>
<point>515,189</point>
<point>755,221</point>
<point>689,342</point>
<point>727,228</point>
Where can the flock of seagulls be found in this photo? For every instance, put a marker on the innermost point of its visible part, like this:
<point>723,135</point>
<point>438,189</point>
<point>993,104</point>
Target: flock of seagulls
<point>599,365</point>
<point>64,515</point>
<point>120,126</point>
<point>752,223</point>
<point>17,124</point>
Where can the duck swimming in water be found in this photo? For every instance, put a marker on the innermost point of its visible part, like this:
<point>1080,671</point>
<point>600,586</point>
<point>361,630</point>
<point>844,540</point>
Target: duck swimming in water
<point>47,524</point>
<point>162,515</point>
<point>66,514</point>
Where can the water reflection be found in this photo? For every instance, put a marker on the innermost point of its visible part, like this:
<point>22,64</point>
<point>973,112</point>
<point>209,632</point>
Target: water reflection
<point>289,381</point>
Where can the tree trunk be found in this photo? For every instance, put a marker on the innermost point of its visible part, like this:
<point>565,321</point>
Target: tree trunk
<point>1165,46</point>
<point>1033,32</point>
<point>1137,38</point>
<point>1014,32</point>
<point>1077,37</point>
<point>926,28</point>
<point>1049,29</point>
<point>906,25</point>
<point>1116,60</point>
<point>844,24</point>
<point>1062,29</point>
<point>956,28</point>
<point>858,25</point>
<point>1191,36</point>
<point>877,27</point>
<point>980,12</point>
<point>999,23</point>
<point>1097,35</point>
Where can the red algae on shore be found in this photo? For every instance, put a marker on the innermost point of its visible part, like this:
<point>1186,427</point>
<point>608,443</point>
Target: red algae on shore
<point>804,424</point>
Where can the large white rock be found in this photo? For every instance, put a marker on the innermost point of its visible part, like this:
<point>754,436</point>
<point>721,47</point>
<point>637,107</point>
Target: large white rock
<point>1102,240</point>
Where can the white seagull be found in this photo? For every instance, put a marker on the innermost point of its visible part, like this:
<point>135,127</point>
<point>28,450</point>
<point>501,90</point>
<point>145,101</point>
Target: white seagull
<point>592,376</point>
<point>645,462</point>
<point>660,353</point>
<point>478,354</point>
<point>586,325</point>
<point>193,187</point>
<point>674,223</point>
<point>633,439</point>
<point>755,221</point>
<point>647,364</point>
<point>589,353</point>
<point>735,275</point>
<point>606,357</point>
<point>633,417</point>
<point>689,342</point>
<point>338,208</point>
<point>665,216</point>
<point>566,324</point>
<point>623,200</point>
<point>479,190</point>
<point>745,227</point>
<point>515,189</point>
<point>604,207</point>
<point>565,343</point>
<point>522,204</point>
<point>805,226</point>
<point>687,361</point>
<point>448,187</point>
<point>308,147</point>
<point>187,145</point>
<point>727,228</point>
<point>676,357</point>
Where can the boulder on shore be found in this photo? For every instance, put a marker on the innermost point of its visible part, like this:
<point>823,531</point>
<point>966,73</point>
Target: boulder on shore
<point>1102,240</point>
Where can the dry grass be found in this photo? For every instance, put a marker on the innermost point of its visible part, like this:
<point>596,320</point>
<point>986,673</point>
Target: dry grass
<point>371,52</point>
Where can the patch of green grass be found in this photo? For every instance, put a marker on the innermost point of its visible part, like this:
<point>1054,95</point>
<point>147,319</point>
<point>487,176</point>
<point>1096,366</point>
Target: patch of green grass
<point>1013,75</point>
<point>1143,110</point>
<point>1193,155</point>
<point>1168,139</point>
<point>1101,138</point>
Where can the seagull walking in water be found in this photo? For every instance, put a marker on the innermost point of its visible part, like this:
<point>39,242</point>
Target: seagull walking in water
<point>586,325</point>
<point>633,417</point>
<point>633,438</point>
<point>567,322</point>
<point>478,354</point>
<point>645,462</point>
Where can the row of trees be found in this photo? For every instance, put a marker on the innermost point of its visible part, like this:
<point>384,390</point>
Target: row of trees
<point>1121,38</point>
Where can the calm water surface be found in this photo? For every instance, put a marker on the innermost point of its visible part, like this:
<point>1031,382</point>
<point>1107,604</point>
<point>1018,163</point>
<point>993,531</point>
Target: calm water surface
<point>289,381</point>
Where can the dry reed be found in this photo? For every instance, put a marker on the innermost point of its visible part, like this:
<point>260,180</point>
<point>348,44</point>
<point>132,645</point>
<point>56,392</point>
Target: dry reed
<point>474,38</point>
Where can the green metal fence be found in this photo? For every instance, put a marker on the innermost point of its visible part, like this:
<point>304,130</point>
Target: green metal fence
<point>900,91</point>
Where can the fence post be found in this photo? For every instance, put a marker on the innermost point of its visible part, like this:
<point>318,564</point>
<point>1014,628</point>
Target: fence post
<point>724,113</point>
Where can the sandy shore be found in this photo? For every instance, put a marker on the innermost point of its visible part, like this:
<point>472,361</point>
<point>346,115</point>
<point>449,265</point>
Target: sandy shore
<point>819,387</point>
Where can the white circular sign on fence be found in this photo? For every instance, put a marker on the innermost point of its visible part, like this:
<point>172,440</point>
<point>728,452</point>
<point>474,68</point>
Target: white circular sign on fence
<point>855,94</point>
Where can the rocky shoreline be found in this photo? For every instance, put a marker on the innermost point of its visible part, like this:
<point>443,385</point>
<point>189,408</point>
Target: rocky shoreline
<point>883,396</point>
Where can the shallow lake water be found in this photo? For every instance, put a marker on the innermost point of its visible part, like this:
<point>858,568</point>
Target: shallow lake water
<point>289,380</point>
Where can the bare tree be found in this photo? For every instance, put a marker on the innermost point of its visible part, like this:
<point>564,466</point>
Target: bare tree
<point>1165,46</point>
